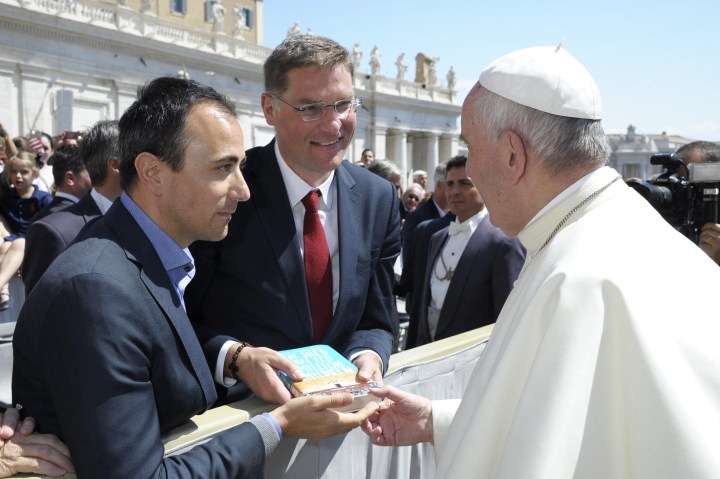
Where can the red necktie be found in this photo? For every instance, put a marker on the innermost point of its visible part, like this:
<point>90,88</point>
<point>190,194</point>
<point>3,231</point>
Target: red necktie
<point>318,268</point>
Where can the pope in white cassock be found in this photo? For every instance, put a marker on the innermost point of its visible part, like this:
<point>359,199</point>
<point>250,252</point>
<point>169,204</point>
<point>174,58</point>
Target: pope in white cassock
<point>604,362</point>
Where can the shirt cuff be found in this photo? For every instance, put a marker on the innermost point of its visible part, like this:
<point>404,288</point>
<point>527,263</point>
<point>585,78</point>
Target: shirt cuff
<point>220,366</point>
<point>269,430</point>
<point>443,412</point>
<point>382,366</point>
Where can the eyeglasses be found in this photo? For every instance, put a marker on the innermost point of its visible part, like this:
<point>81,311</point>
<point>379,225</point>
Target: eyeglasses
<point>315,111</point>
<point>413,197</point>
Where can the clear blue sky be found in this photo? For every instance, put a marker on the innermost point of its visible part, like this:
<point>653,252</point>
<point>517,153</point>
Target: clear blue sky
<point>657,63</point>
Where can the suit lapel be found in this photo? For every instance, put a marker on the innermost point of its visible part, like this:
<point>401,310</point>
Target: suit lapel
<point>462,272</point>
<point>436,248</point>
<point>349,229</point>
<point>152,273</point>
<point>270,199</point>
<point>158,283</point>
<point>88,208</point>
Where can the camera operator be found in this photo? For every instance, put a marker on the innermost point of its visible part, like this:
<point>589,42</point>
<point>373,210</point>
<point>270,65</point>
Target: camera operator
<point>703,152</point>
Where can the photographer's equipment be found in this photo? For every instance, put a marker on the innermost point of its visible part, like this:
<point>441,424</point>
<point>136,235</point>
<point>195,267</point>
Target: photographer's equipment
<point>687,204</point>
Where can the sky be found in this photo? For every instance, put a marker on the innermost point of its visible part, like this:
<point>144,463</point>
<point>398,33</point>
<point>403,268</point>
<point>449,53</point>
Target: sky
<point>656,63</point>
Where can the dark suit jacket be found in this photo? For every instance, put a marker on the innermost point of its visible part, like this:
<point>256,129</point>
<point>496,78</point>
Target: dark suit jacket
<point>58,203</point>
<point>424,212</point>
<point>415,274</point>
<point>251,285</point>
<point>106,358</point>
<point>485,275</point>
<point>49,236</point>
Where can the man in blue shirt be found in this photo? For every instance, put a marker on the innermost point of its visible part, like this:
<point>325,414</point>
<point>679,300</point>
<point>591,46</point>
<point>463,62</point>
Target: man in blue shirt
<point>103,344</point>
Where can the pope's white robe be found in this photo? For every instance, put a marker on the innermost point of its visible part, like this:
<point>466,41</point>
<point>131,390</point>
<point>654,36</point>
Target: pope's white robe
<point>604,362</point>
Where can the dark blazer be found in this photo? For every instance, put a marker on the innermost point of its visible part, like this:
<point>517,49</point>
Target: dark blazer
<point>485,275</point>
<point>58,203</point>
<point>403,212</point>
<point>106,358</point>
<point>49,236</point>
<point>415,272</point>
<point>424,212</point>
<point>251,285</point>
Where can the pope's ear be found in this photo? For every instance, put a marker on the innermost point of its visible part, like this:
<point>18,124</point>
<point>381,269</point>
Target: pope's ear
<point>149,169</point>
<point>516,155</point>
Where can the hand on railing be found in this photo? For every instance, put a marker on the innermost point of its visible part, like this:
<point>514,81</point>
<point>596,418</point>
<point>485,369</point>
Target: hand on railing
<point>23,450</point>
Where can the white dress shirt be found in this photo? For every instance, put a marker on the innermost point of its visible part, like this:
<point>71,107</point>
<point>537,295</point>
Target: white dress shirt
<point>297,189</point>
<point>102,202</point>
<point>458,236</point>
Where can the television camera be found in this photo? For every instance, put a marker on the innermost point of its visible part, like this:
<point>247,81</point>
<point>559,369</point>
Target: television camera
<point>686,203</point>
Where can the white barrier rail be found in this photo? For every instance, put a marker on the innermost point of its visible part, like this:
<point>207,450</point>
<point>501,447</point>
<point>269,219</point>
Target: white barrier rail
<point>437,370</point>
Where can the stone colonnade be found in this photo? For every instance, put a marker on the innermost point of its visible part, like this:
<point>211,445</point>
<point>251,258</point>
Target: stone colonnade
<point>63,70</point>
<point>416,150</point>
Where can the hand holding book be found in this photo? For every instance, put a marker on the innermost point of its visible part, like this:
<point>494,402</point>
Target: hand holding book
<point>257,368</point>
<point>369,368</point>
<point>326,372</point>
<point>316,417</point>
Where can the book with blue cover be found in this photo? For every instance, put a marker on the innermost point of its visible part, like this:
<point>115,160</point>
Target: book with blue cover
<point>327,372</point>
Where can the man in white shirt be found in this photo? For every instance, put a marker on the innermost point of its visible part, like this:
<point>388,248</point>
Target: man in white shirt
<point>259,283</point>
<point>471,265</point>
<point>595,367</point>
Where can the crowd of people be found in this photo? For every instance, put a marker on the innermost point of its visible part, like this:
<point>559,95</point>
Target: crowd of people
<point>165,266</point>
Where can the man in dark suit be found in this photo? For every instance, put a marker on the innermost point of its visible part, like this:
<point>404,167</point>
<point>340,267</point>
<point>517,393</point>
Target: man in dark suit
<point>49,236</point>
<point>415,273</point>
<point>410,199</point>
<point>471,266</point>
<point>430,209</point>
<point>415,241</point>
<point>72,180</point>
<point>103,344</point>
<point>253,284</point>
<point>434,207</point>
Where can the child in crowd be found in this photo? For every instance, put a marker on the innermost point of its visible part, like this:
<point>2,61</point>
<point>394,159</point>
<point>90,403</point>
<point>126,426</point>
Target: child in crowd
<point>19,201</point>
<point>42,144</point>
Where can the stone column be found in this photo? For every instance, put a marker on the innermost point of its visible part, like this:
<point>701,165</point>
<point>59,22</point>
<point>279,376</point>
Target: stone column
<point>425,154</point>
<point>378,145</point>
<point>417,153</point>
<point>397,150</point>
<point>448,147</point>
<point>64,110</point>
<point>433,154</point>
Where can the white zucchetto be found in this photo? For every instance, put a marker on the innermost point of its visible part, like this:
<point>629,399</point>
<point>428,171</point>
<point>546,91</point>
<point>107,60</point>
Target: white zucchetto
<point>548,79</point>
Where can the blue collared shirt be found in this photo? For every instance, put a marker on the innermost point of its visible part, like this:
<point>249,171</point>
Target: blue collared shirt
<point>177,261</point>
<point>180,267</point>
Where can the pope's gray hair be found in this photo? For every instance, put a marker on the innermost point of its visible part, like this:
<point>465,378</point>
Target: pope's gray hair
<point>562,143</point>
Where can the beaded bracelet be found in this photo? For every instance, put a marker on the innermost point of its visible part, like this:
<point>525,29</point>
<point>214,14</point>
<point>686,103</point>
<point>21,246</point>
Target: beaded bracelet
<point>233,365</point>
